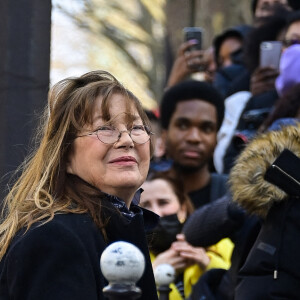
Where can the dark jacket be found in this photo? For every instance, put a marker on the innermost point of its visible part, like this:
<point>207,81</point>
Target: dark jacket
<point>217,188</point>
<point>266,182</point>
<point>208,225</point>
<point>255,112</point>
<point>61,259</point>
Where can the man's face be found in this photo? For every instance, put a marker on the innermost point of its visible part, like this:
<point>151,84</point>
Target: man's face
<point>192,133</point>
<point>265,8</point>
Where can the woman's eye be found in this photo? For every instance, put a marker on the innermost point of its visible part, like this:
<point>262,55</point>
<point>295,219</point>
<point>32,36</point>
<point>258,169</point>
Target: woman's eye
<point>105,128</point>
<point>163,202</point>
<point>138,127</point>
<point>145,204</point>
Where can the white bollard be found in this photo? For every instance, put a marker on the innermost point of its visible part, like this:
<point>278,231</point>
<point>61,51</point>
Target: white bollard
<point>122,264</point>
<point>164,275</point>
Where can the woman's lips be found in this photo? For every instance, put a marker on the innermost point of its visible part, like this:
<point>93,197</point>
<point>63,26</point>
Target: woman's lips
<point>125,160</point>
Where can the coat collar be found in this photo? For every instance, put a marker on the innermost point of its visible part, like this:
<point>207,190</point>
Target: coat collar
<point>247,177</point>
<point>150,219</point>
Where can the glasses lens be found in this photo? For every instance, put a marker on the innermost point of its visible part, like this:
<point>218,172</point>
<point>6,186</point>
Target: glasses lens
<point>140,134</point>
<point>107,134</point>
<point>288,43</point>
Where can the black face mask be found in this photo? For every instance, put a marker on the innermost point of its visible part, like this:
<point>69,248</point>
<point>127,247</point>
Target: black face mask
<point>165,233</point>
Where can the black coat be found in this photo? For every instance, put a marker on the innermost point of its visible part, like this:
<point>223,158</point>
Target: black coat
<point>254,113</point>
<point>266,182</point>
<point>271,270</point>
<point>61,259</point>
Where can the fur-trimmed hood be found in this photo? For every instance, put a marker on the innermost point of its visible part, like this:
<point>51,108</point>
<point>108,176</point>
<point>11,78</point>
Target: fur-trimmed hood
<point>246,180</point>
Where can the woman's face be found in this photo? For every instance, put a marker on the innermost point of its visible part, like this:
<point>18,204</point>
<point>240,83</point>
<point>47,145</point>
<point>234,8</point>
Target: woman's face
<point>117,169</point>
<point>293,32</point>
<point>229,46</point>
<point>159,197</point>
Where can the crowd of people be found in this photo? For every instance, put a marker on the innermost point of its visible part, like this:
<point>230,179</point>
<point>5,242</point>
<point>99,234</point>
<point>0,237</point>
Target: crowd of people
<point>209,183</point>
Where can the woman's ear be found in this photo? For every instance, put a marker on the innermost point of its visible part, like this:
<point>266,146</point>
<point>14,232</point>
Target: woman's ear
<point>69,168</point>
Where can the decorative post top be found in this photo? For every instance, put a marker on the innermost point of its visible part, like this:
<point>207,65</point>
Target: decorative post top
<point>122,263</point>
<point>164,274</point>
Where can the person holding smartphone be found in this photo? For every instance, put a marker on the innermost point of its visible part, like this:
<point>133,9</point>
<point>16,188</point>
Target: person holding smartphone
<point>190,62</point>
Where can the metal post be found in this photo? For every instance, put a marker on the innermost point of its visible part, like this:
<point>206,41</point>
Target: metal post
<point>164,275</point>
<point>122,264</point>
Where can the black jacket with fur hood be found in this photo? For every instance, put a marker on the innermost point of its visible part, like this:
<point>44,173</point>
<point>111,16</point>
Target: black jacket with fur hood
<point>266,182</point>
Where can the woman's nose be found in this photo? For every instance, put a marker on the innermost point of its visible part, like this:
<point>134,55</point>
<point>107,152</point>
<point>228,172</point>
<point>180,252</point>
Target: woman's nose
<point>125,139</point>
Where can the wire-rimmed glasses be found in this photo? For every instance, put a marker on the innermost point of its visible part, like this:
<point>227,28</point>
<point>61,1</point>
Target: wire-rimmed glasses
<point>140,134</point>
<point>289,42</point>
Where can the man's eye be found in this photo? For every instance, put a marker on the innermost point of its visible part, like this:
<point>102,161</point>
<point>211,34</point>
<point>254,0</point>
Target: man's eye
<point>182,126</point>
<point>208,128</point>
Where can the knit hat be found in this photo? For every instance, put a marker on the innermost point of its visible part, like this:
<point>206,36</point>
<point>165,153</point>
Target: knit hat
<point>188,90</point>
<point>289,69</point>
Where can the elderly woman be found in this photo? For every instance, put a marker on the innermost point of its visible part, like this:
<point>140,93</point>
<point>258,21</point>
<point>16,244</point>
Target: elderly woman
<point>77,194</point>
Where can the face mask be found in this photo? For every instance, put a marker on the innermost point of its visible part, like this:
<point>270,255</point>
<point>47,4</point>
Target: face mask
<point>165,233</point>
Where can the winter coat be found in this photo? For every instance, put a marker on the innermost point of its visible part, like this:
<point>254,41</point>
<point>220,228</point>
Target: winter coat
<point>254,113</point>
<point>265,181</point>
<point>61,259</point>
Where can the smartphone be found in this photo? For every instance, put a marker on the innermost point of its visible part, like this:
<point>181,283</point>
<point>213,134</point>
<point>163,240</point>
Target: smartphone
<point>270,53</point>
<point>193,33</point>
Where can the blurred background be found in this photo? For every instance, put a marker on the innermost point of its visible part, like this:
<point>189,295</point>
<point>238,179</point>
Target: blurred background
<point>135,39</point>
<point>42,42</point>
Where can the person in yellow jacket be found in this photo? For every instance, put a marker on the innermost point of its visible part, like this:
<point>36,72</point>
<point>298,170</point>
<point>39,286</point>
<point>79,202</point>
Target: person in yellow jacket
<point>164,194</point>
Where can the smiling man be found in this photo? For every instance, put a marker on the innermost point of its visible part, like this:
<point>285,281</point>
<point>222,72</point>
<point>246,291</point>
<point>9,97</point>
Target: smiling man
<point>191,114</point>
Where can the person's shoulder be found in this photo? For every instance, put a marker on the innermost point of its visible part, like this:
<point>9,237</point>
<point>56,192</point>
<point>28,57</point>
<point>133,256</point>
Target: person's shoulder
<point>62,229</point>
<point>71,222</point>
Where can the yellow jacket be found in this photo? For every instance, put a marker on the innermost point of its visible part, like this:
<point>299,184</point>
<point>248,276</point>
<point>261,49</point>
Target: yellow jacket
<point>219,254</point>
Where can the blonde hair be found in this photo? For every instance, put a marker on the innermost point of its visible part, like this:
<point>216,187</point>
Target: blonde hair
<point>42,189</point>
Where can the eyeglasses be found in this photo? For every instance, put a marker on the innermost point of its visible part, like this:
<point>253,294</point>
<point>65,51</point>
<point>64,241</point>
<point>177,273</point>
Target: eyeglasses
<point>139,134</point>
<point>288,43</point>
